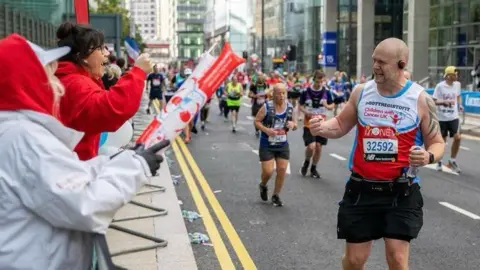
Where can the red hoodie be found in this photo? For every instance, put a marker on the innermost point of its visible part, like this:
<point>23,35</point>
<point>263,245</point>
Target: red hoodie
<point>88,107</point>
<point>21,90</point>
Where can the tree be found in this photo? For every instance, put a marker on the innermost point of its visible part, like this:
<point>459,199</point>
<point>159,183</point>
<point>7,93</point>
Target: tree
<point>115,7</point>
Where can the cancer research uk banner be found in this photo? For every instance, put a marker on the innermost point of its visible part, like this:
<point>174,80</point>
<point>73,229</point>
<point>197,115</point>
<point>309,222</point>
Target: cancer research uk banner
<point>192,95</point>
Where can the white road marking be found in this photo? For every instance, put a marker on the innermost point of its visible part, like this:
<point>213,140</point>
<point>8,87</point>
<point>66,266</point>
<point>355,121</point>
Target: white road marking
<point>275,164</point>
<point>444,168</point>
<point>249,117</point>
<point>460,210</point>
<point>464,148</point>
<point>338,157</point>
<point>470,137</point>
<point>247,105</point>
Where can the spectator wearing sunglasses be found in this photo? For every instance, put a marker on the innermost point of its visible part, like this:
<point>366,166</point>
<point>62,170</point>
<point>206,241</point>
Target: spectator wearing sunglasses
<point>86,106</point>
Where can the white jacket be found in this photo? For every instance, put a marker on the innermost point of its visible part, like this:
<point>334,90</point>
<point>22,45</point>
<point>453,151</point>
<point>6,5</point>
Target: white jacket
<point>51,202</point>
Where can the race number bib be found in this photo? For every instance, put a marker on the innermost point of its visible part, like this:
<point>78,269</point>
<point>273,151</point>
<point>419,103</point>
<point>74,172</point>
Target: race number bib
<point>380,144</point>
<point>261,98</point>
<point>318,111</point>
<point>156,82</point>
<point>281,137</point>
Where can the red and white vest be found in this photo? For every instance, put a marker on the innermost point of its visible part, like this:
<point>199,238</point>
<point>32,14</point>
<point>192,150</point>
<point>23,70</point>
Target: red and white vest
<point>387,127</point>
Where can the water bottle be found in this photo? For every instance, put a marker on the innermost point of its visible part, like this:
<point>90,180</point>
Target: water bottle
<point>413,170</point>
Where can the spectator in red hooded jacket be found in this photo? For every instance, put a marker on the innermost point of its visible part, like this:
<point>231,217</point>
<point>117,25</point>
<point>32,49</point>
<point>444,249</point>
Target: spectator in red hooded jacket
<point>86,106</point>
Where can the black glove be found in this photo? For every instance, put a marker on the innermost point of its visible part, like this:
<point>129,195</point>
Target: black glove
<point>150,155</point>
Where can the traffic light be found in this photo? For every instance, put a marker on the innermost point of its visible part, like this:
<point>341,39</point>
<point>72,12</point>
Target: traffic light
<point>245,55</point>
<point>284,56</point>
<point>292,53</point>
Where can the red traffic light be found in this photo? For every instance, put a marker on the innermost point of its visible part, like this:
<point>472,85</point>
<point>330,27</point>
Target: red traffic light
<point>284,56</point>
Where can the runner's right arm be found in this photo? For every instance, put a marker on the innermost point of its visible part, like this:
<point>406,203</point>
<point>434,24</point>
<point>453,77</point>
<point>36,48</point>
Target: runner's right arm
<point>340,125</point>
<point>259,122</point>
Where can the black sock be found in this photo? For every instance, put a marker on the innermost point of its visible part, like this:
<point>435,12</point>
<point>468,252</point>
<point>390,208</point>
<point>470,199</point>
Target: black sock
<point>306,162</point>
<point>314,167</point>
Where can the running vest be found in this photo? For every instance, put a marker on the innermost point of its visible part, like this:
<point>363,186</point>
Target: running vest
<point>277,121</point>
<point>233,92</point>
<point>313,103</point>
<point>261,94</point>
<point>387,127</point>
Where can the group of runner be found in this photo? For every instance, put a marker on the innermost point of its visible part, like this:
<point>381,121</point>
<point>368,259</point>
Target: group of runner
<point>382,197</point>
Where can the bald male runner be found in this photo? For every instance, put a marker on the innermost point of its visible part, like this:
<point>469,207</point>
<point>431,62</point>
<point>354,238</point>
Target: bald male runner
<point>397,131</point>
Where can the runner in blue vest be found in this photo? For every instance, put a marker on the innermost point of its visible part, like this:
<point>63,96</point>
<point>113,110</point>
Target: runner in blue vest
<point>274,120</point>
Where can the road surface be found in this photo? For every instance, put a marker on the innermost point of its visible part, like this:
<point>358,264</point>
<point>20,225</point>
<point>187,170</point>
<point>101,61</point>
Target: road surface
<point>251,234</point>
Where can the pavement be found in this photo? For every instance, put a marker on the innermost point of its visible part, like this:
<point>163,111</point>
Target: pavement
<point>470,124</point>
<point>220,175</point>
<point>177,254</point>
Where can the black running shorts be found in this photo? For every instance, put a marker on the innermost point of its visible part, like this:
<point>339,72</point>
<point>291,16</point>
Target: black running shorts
<point>365,216</point>
<point>308,138</point>
<point>449,127</point>
<point>269,153</point>
<point>234,108</point>
<point>255,108</point>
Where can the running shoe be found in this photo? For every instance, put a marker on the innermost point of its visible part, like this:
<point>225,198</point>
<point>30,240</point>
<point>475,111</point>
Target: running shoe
<point>439,166</point>
<point>454,166</point>
<point>263,192</point>
<point>314,173</point>
<point>304,169</point>
<point>276,201</point>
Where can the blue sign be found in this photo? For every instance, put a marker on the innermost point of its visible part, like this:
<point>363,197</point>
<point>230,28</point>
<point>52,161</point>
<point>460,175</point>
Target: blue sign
<point>471,102</point>
<point>329,49</point>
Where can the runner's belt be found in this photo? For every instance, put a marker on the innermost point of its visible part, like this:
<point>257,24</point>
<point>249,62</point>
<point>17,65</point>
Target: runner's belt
<point>400,185</point>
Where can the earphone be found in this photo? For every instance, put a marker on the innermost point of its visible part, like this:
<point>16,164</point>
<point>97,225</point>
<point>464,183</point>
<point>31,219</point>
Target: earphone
<point>401,64</point>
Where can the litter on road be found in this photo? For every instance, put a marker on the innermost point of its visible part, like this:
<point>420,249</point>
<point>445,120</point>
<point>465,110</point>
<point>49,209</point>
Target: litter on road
<point>190,215</point>
<point>198,238</point>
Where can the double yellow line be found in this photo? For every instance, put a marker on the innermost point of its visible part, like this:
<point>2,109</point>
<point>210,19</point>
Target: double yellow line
<point>183,157</point>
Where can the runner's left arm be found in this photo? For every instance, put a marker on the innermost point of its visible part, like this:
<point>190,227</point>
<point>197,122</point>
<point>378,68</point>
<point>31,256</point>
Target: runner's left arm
<point>430,129</point>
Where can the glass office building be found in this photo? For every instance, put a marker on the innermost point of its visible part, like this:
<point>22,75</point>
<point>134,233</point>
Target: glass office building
<point>454,37</point>
<point>388,23</point>
<point>190,19</point>
<point>37,20</point>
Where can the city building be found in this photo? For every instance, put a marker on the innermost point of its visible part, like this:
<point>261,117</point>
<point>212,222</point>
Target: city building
<point>453,36</point>
<point>190,20</point>
<point>229,20</point>
<point>172,28</point>
<point>37,20</point>
<point>341,34</point>
<point>293,29</point>
<point>146,15</point>
<point>275,42</point>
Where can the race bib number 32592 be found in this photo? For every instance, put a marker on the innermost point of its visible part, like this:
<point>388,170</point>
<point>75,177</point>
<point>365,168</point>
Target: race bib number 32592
<point>380,149</point>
